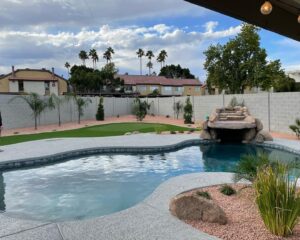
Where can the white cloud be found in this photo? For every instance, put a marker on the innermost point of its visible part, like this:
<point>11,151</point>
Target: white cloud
<point>41,49</point>
<point>92,13</point>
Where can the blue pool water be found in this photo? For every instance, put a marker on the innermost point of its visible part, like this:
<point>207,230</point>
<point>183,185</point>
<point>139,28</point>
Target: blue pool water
<point>102,184</point>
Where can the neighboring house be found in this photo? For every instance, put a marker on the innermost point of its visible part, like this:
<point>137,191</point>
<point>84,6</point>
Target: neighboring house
<point>145,85</point>
<point>295,75</point>
<point>41,81</point>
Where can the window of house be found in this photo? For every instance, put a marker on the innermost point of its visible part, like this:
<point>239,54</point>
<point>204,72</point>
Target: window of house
<point>168,89</point>
<point>178,89</point>
<point>21,86</point>
<point>153,87</point>
<point>47,86</point>
<point>197,89</point>
<point>142,88</point>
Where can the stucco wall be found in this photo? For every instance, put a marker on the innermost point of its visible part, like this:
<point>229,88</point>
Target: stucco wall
<point>276,110</point>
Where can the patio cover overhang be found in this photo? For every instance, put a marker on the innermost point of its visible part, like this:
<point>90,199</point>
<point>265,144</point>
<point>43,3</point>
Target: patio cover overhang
<point>282,20</point>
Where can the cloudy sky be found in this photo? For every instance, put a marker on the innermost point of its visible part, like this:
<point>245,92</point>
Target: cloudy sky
<point>47,33</point>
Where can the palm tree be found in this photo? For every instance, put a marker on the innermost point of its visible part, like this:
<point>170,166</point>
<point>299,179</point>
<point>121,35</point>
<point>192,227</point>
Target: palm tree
<point>108,54</point>
<point>55,102</point>
<point>140,54</point>
<point>80,104</point>
<point>162,58</point>
<point>150,55</point>
<point>83,56</point>
<point>94,56</point>
<point>67,66</point>
<point>36,104</point>
<point>150,66</point>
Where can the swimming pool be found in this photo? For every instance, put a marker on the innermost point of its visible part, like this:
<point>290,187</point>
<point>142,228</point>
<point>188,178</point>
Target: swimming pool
<point>102,184</point>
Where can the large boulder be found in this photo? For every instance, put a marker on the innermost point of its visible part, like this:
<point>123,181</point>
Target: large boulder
<point>259,125</point>
<point>194,207</point>
<point>249,135</point>
<point>205,135</point>
<point>263,136</point>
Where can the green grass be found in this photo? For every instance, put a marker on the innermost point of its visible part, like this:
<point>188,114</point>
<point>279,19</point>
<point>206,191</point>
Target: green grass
<point>114,129</point>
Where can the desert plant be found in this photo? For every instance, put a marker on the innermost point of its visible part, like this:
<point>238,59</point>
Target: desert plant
<point>172,132</point>
<point>36,104</point>
<point>234,103</point>
<point>277,199</point>
<point>100,111</point>
<point>55,102</point>
<point>248,166</point>
<point>188,111</point>
<point>204,194</point>
<point>80,104</point>
<point>227,190</point>
<point>177,107</point>
<point>296,127</point>
<point>140,109</point>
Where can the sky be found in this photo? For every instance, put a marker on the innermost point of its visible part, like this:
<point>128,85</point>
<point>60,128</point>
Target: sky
<point>47,33</point>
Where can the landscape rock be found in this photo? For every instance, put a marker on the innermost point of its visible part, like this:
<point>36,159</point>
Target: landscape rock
<point>205,135</point>
<point>263,136</point>
<point>259,125</point>
<point>194,207</point>
<point>128,133</point>
<point>250,135</point>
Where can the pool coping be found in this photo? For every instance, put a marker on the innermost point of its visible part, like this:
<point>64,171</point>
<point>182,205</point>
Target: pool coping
<point>149,219</point>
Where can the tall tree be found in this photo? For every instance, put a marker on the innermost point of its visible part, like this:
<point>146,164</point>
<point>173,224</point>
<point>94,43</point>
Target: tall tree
<point>176,71</point>
<point>67,66</point>
<point>240,63</point>
<point>150,66</point>
<point>161,58</point>
<point>108,54</point>
<point>83,56</point>
<point>56,102</point>
<point>140,53</point>
<point>94,56</point>
<point>149,55</point>
<point>35,102</point>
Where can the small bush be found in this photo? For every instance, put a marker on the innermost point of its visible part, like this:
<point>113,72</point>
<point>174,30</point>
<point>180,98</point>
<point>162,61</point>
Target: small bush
<point>140,109</point>
<point>100,111</point>
<point>188,111</point>
<point>248,166</point>
<point>204,194</point>
<point>277,199</point>
<point>234,103</point>
<point>296,128</point>
<point>181,131</point>
<point>192,130</point>
<point>172,132</point>
<point>168,116</point>
<point>227,190</point>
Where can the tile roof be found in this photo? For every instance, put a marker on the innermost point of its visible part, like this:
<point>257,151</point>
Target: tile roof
<point>158,80</point>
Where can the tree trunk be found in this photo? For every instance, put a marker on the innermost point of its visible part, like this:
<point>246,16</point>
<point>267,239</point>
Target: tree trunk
<point>35,121</point>
<point>141,72</point>
<point>59,121</point>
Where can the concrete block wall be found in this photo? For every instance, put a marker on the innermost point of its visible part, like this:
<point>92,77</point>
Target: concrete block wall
<point>276,110</point>
<point>17,114</point>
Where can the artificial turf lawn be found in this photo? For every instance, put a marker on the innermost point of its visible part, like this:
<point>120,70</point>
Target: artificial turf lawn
<point>113,129</point>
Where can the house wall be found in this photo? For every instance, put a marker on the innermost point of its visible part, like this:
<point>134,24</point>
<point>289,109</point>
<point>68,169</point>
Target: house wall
<point>276,110</point>
<point>7,86</point>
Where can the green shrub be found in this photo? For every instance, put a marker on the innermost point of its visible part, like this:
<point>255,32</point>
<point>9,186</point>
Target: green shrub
<point>204,194</point>
<point>172,132</point>
<point>140,109</point>
<point>248,166</point>
<point>100,111</point>
<point>177,107</point>
<point>188,111</point>
<point>181,131</point>
<point>227,190</point>
<point>277,199</point>
<point>296,128</point>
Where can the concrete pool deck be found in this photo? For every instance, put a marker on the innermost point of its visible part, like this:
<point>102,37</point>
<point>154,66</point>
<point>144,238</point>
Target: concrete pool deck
<point>149,219</point>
